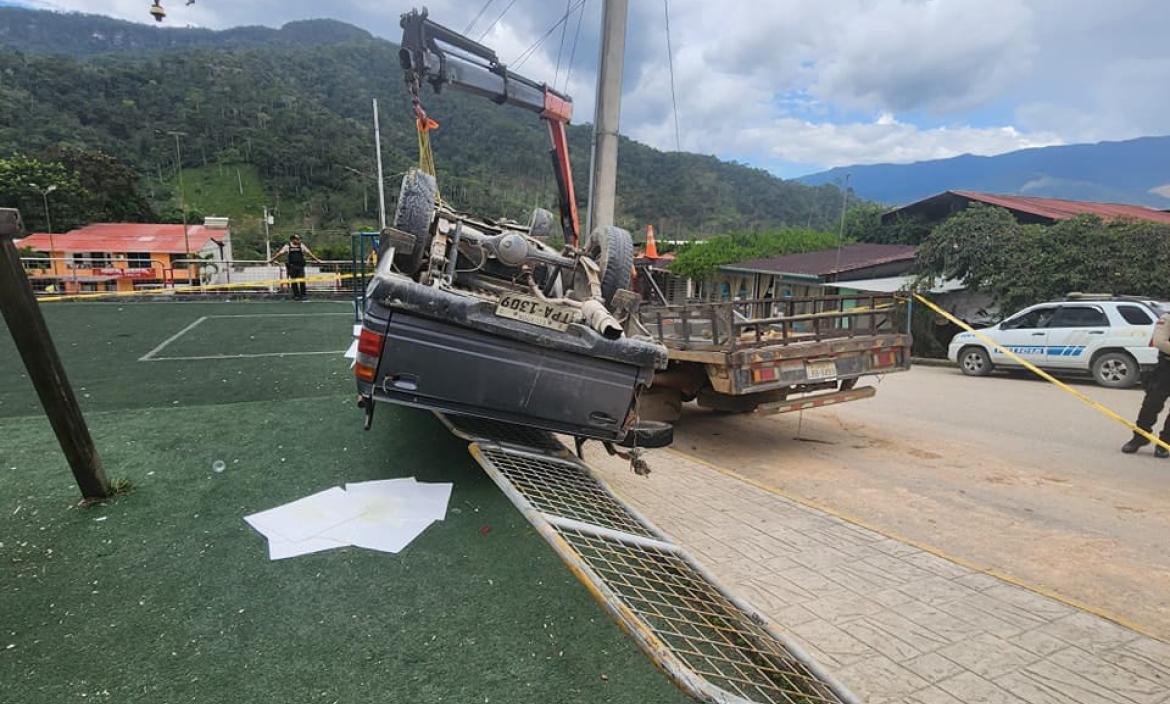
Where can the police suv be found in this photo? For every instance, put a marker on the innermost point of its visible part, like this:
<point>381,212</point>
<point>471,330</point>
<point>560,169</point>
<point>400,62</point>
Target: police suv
<point>1107,336</point>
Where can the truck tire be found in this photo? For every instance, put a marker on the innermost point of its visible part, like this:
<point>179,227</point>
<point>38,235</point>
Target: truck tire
<point>660,403</point>
<point>613,250</point>
<point>712,400</point>
<point>415,214</point>
<point>1117,370</point>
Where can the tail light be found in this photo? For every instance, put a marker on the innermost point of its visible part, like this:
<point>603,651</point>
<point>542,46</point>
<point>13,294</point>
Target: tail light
<point>369,350</point>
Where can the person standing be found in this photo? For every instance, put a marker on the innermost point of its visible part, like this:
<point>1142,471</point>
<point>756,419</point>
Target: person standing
<point>296,252</point>
<point>1157,391</point>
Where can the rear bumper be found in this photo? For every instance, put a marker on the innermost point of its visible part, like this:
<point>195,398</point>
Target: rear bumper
<point>465,360</point>
<point>785,366</point>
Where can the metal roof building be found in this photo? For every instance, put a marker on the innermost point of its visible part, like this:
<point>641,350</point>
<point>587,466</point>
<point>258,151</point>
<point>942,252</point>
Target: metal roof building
<point>854,261</point>
<point>1027,209</point>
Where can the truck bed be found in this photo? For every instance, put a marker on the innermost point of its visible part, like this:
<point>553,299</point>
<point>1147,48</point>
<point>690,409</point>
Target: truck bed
<point>781,344</point>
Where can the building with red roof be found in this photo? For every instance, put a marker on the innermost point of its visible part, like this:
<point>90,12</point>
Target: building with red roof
<point>1026,209</point>
<point>125,256</point>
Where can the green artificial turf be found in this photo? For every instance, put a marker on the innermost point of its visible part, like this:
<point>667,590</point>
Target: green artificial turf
<point>166,595</point>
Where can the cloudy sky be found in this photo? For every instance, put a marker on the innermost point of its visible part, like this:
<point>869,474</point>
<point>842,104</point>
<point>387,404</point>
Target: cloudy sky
<point>796,86</point>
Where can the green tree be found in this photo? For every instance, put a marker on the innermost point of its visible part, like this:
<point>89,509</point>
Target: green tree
<point>112,186</point>
<point>1018,265</point>
<point>702,258</point>
<point>23,180</point>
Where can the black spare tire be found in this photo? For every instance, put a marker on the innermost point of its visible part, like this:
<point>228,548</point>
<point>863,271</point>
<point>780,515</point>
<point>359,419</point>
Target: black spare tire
<point>414,214</point>
<point>613,250</point>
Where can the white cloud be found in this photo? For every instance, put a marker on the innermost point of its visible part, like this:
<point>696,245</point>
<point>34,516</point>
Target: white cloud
<point>804,82</point>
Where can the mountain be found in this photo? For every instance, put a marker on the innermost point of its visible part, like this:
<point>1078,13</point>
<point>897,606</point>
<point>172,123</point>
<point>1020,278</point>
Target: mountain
<point>74,34</point>
<point>1132,171</point>
<point>296,117</point>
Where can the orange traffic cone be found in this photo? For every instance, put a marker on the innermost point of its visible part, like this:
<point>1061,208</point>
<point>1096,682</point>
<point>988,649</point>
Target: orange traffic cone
<point>651,245</point>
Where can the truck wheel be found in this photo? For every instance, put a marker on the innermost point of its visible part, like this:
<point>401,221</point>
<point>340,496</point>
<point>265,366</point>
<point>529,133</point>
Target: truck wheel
<point>723,403</point>
<point>613,250</point>
<point>1116,370</point>
<point>974,361</point>
<point>659,403</point>
<point>415,214</point>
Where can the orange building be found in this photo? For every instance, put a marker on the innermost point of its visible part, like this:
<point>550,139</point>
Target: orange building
<point>124,256</point>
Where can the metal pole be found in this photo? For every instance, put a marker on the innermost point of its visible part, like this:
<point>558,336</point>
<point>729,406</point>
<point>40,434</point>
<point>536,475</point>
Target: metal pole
<point>267,241</point>
<point>603,166</point>
<point>32,339</point>
<point>381,184</point>
<point>182,197</point>
<point>841,231</point>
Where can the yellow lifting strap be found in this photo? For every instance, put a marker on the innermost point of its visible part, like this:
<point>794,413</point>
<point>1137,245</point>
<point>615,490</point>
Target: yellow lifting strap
<point>426,158</point>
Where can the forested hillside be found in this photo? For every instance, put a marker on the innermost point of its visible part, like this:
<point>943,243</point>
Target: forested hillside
<point>298,116</point>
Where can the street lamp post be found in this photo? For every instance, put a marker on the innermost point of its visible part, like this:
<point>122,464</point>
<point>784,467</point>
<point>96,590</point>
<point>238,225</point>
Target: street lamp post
<point>48,220</point>
<point>182,196</point>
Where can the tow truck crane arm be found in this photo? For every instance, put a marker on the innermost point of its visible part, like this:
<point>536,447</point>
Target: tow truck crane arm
<point>431,53</point>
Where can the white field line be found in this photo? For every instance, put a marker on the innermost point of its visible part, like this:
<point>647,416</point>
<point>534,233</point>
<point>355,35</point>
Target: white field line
<point>275,315</point>
<point>150,355</point>
<point>240,356</point>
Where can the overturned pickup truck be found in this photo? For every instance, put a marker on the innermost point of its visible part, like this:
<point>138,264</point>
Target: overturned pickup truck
<point>485,318</point>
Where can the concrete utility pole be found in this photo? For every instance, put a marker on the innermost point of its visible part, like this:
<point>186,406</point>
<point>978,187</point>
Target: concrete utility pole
<point>31,335</point>
<point>381,183</point>
<point>607,113</point>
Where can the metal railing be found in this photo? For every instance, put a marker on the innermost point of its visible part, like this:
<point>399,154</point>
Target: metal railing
<point>728,325</point>
<point>57,276</point>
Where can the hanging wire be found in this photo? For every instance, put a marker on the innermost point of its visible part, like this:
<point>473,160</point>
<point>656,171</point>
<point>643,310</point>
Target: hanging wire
<point>494,22</point>
<point>561,48</point>
<point>527,53</point>
<point>573,51</point>
<point>670,60</point>
<point>477,16</point>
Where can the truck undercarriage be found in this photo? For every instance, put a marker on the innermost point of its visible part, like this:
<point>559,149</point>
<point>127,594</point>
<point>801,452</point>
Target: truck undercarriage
<point>485,317</point>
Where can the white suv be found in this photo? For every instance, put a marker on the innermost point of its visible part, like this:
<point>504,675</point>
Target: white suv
<point>1106,336</point>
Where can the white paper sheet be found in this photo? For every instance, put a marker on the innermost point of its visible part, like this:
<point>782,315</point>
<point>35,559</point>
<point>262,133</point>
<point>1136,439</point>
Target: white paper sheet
<point>384,515</point>
<point>357,330</point>
<point>307,517</point>
<point>280,549</point>
<point>397,499</point>
<point>351,353</point>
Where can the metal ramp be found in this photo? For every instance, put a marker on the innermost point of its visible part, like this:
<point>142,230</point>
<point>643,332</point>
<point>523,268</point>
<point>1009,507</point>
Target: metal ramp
<point>713,645</point>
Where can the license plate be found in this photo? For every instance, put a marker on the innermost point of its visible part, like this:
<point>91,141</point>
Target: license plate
<point>535,311</point>
<point>821,370</point>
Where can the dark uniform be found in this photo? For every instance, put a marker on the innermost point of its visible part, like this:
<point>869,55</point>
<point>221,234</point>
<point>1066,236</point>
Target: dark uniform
<point>296,268</point>
<point>1157,391</point>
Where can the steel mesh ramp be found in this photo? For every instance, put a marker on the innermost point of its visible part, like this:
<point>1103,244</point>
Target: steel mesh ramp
<point>711,644</point>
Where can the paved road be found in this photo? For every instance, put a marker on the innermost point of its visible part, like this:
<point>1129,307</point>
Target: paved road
<point>894,623</point>
<point>1005,474</point>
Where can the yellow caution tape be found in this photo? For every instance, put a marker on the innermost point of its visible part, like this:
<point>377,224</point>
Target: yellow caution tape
<point>1103,410</point>
<point>196,289</point>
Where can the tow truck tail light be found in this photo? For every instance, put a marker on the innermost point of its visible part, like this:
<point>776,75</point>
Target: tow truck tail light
<point>369,350</point>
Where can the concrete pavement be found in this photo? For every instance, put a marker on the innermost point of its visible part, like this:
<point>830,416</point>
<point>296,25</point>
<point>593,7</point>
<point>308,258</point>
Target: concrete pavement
<point>895,622</point>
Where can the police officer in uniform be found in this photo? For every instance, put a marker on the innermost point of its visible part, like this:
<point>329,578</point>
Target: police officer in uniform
<point>295,264</point>
<point>1157,391</point>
